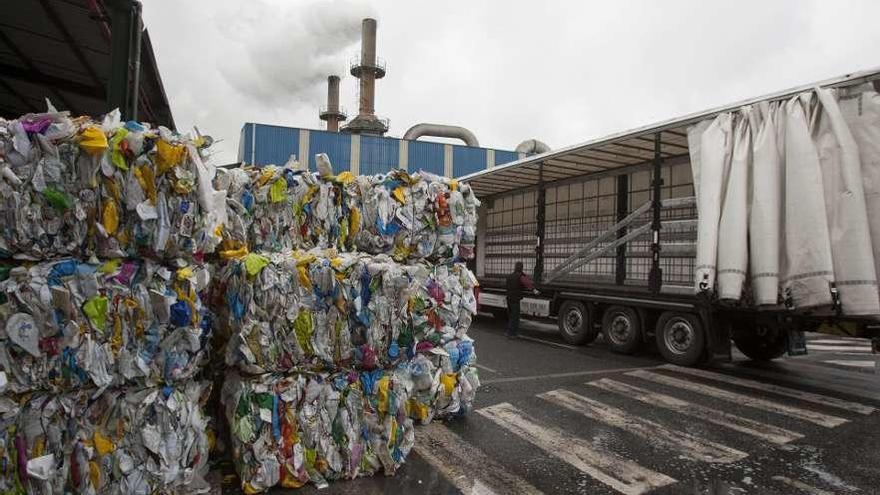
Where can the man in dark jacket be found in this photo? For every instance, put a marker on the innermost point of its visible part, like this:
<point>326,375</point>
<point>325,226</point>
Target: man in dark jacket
<point>516,283</point>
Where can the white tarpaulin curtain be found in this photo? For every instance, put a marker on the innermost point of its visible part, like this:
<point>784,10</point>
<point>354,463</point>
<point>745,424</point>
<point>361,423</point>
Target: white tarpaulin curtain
<point>782,190</point>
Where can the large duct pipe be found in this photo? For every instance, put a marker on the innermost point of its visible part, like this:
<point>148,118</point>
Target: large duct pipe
<point>440,130</point>
<point>368,60</point>
<point>332,114</point>
<point>532,147</point>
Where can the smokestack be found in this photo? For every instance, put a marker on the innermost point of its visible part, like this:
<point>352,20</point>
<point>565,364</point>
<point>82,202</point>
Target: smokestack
<point>367,70</point>
<point>333,115</point>
<point>368,77</point>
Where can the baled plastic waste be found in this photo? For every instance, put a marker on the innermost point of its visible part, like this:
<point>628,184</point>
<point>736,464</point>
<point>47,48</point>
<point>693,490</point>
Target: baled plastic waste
<point>118,441</point>
<point>407,216</point>
<point>444,379</point>
<point>78,187</point>
<point>68,324</point>
<point>317,427</point>
<point>322,309</point>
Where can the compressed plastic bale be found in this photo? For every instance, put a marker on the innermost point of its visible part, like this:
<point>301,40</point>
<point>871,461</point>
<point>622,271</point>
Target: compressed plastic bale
<point>75,187</point>
<point>407,216</point>
<point>322,309</point>
<point>851,249</point>
<point>444,380</point>
<point>861,112</point>
<point>733,251</point>
<point>808,262</point>
<point>119,441</point>
<point>67,324</point>
<point>765,208</point>
<point>289,430</point>
<point>710,163</point>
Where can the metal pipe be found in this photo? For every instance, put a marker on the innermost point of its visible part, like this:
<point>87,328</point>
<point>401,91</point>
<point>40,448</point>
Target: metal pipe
<point>532,147</point>
<point>441,130</point>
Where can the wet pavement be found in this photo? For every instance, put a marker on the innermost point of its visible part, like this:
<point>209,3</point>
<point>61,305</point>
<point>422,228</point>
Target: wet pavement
<point>553,418</point>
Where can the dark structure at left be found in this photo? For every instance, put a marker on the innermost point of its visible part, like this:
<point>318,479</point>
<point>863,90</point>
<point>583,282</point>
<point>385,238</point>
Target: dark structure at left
<point>86,56</point>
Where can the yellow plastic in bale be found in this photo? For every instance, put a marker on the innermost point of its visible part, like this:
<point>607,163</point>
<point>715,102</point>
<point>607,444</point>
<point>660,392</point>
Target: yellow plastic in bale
<point>399,194</point>
<point>94,474</point>
<point>168,156</point>
<point>448,382</point>
<point>110,217</point>
<point>103,444</point>
<point>93,140</point>
<point>147,180</point>
<point>116,154</point>
<point>278,191</point>
<point>384,384</point>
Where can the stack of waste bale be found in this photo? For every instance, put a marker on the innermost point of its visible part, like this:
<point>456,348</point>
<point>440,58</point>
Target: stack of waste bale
<point>346,308</point>
<point>102,326</point>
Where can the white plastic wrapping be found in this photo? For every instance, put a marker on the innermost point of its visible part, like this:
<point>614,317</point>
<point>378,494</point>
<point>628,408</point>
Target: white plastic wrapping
<point>861,111</point>
<point>710,172</point>
<point>733,254</point>
<point>809,266</point>
<point>853,256</point>
<point>765,206</point>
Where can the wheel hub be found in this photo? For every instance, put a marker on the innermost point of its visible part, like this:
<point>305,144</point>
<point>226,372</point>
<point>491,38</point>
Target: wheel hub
<point>573,321</point>
<point>620,329</point>
<point>679,337</point>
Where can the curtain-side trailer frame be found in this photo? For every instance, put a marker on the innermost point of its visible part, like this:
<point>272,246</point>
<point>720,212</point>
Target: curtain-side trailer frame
<point>607,229</point>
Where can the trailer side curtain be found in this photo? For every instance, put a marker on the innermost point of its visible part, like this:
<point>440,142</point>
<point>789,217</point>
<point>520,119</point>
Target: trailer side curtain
<point>783,194</point>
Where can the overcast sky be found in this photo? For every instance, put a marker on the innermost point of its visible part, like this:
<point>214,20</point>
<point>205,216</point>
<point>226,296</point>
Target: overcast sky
<point>559,71</point>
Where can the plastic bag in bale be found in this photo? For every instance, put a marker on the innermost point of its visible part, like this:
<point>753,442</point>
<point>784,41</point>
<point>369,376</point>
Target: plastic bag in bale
<point>445,380</point>
<point>68,324</point>
<point>135,441</point>
<point>289,430</point>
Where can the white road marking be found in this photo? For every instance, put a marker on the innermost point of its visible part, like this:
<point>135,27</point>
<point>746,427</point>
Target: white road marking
<point>548,342</point>
<point>812,490</point>
<point>839,348</point>
<point>466,467</point>
<point>853,363</point>
<point>688,445</point>
<point>621,474</point>
<point>484,367</point>
<point>560,375</point>
<point>823,400</point>
<point>821,419</point>
<point>859,342</point>
<point>770,433</point>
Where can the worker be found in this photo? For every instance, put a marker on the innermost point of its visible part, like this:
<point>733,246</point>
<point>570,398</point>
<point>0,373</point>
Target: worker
<point>516,283</point>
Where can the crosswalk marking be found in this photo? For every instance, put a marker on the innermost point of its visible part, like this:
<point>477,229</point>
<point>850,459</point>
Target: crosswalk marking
<point>812,490</point>
<point>468,468</point>
<point>840,348</point>
<point>776,389</point>
<point>618,473</point>
<point>818,418</point>
<point>854,363</point>
<point>770,433</point>
<point>688,445</point>
<point>856,342</point>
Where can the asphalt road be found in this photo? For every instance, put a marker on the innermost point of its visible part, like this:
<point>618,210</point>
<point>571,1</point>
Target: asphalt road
<point>556,419</point>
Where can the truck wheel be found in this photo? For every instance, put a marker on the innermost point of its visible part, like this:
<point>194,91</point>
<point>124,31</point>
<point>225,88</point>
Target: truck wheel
<point>680,338</point>
<point>576,323</point>
<point>763,342</point>
<point>623,329</point>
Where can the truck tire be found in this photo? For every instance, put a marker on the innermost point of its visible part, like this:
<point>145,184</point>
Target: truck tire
<point>680,338</point>
<point>576,323</point>
<point>623,329</point>
<point>762,342</point>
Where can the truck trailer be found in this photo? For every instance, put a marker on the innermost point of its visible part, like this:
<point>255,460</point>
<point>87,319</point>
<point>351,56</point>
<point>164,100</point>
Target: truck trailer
<point>777,236</point>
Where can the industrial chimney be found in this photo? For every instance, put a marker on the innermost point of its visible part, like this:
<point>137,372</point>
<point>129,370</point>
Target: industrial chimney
<point>367,69</point>
<point>333,115</point>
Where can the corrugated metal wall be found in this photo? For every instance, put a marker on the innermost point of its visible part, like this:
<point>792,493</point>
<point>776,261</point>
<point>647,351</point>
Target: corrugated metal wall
<point>335,144</point>
<point>261,144</point>
<point>273,144</point>
<point>467,160</point>
<point>426,156</point>
<point>379,154</point>
<point>502,157</point>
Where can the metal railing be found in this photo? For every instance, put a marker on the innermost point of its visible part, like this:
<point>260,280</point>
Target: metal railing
<point>592,250</point>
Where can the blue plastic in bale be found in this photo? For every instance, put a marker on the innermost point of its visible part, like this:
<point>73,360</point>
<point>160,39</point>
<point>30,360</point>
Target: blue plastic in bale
<point>181,314</point>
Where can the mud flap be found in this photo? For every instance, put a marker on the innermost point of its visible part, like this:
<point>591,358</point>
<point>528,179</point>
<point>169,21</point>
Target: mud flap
<point>796,343</point>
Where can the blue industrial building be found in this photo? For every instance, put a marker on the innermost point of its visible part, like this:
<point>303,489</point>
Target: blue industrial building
<point>262,144</point>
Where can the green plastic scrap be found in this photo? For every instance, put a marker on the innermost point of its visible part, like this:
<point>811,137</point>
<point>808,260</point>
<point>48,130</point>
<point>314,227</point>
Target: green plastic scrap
<point>57,199</point>
<point>96,310</point>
